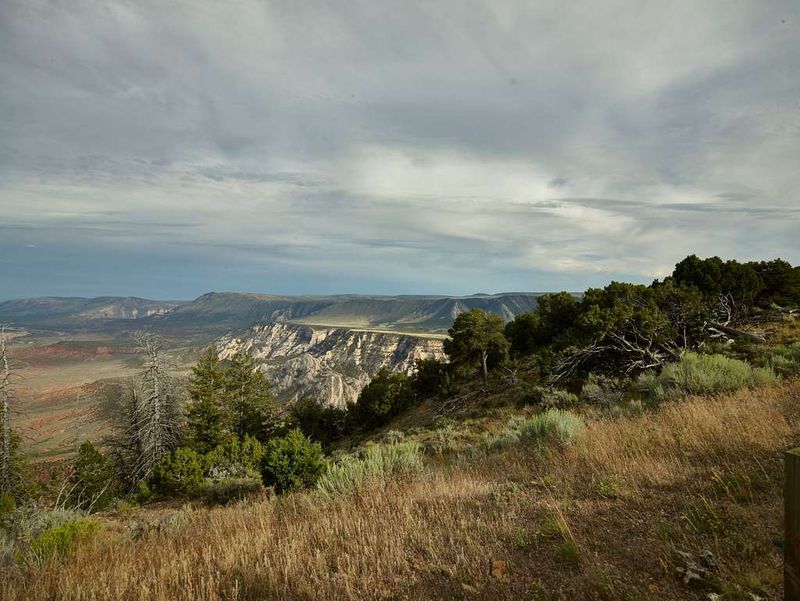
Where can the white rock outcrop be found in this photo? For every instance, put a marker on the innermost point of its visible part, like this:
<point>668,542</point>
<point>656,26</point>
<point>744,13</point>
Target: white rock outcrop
<point>329,365</point>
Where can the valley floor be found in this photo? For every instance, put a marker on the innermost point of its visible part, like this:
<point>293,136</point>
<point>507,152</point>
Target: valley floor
<point>616,515</point>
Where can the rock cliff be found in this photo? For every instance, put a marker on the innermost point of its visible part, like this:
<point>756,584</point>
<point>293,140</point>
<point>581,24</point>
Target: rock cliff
<point>330,365</point>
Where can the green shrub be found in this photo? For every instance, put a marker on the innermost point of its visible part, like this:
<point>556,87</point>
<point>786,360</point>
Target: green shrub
<point>432,377</point>
<point>7,505</point>
<point>377,463</point>
<point>143,494</point>
<point>386,395</point>
<point>292,462</point>
<point>226,490</point>
<point>93,480</point>
<point>177,473</point>
<point>323,424</point>
<point>783,360</point>
<point>546,396</point>
<point>704,374</point>
<point>57,540</point>
<point>234,458</point>
<point>554,425</point>
<point>602,390</point>
<point>8,549</point>
<point>506,438</point>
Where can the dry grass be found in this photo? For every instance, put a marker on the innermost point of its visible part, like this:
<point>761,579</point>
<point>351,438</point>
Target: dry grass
<point>601,519</point>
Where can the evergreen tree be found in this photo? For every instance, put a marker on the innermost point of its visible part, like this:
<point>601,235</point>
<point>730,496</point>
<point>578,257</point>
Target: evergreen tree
<point>477,337</point>
<point>93,479</point>
<point>209,418</point>
<point>249,399</point>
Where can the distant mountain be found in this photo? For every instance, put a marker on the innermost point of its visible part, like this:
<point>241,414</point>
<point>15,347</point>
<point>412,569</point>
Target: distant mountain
<point>78,312</point>
<point>234,310</point>
<point>221,312</point>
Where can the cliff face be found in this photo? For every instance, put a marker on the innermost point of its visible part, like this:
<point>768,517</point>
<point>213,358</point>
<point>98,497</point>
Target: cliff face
<point>330,365</point>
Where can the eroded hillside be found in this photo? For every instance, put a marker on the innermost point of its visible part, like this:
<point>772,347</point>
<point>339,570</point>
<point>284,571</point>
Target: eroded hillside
<point>329,365</point>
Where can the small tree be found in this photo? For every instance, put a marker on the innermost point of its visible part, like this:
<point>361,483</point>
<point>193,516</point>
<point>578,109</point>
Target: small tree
<point>235,458</point>
<point>292,462</point>
<point>431,377</point>
<point>477,338</point>
<point>209,418</point>
<point>320,423</point>
<point>387,394</point>
<point>177,473</point>
<point>250,400</point>
<point>93,480</point>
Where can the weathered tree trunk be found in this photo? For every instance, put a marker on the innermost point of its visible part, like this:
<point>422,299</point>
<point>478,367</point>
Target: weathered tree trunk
<point>5,417</point>
<point>754,336</point>
<point>485,365</point>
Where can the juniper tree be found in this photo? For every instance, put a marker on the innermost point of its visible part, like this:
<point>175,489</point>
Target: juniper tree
<point>477,337</point>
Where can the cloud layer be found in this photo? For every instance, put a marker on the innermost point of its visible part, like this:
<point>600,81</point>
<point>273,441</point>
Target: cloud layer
<point>165,149</point>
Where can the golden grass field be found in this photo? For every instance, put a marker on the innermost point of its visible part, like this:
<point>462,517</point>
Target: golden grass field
<point>604,518</point>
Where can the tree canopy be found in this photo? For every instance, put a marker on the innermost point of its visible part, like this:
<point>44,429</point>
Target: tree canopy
<point>477,338</point>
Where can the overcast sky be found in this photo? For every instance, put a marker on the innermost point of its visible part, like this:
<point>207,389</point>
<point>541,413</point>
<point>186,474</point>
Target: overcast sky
<point>165,149</point>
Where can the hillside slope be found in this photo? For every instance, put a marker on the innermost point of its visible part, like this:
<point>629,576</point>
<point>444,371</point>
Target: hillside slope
<point>617,516</point>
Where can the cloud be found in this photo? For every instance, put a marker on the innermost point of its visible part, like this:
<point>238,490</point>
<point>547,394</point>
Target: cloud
<point>442,147</point>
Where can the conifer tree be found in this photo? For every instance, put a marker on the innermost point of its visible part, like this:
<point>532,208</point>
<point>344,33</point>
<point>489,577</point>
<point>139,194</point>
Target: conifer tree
<point>250,400</point>
<point>209,416</point>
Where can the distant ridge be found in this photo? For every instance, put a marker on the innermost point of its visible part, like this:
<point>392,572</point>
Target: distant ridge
<point>216,312</point>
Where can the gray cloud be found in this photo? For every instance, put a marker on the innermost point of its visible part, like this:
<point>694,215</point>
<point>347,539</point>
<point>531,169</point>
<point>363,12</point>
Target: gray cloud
<point>370,146</point>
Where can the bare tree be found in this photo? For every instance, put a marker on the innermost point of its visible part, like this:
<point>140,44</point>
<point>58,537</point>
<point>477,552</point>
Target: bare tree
<point>151,415</point>
<point>8,473</point>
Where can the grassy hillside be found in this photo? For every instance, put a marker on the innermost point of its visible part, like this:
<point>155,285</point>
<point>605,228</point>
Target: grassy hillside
<point>615,515</point>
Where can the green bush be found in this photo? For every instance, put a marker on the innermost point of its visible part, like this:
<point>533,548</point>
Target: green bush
<point>545,396</point>
<point>292,462</point>
<point>142,495</point>
<point>57,540</point>
<point>234,458</point>
<point>704,374</point>
<point>7,505</point>
<point>386,395</point>
<point>226,490</point>
<point>602,390</point>
<point>506,438</point>
<point>377,463</point>
<point>177,473</point>
<point>784,360</point>
<point>93,480</point>
<point>323,424</point>
<point>554,425</point>
<point>8,549</point>
<point>432,377</point>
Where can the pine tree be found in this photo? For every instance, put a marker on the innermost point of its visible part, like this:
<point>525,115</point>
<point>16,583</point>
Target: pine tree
<point>209,416</point>
<point>250,400</point>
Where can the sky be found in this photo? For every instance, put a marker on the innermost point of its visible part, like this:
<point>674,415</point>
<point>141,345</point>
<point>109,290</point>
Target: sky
<point>166,149</point>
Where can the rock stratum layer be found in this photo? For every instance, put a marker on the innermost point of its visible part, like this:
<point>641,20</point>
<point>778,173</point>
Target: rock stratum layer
<point>329,365</point>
